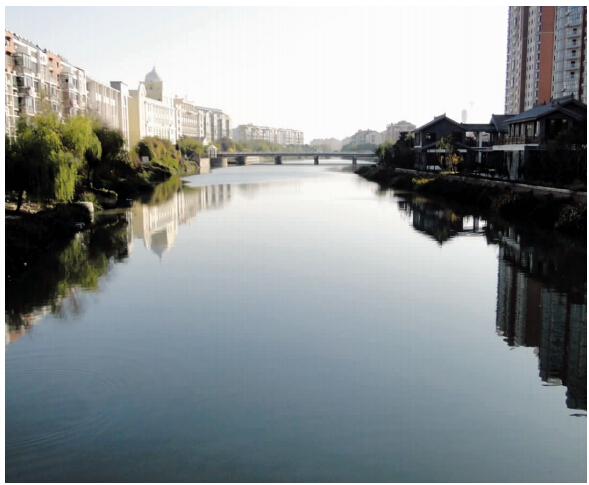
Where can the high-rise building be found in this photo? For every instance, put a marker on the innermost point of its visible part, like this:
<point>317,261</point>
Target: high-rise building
<point>569,68</point>
<point>546,56</point>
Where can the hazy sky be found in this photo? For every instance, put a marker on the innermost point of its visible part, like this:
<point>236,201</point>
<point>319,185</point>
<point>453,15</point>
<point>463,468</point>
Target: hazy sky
<point>328,71</point>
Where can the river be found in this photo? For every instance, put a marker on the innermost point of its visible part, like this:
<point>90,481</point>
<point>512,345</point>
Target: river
<point>295,323</point>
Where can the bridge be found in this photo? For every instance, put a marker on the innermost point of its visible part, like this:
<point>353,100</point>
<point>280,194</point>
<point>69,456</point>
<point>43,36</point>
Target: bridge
<point>241,157</point>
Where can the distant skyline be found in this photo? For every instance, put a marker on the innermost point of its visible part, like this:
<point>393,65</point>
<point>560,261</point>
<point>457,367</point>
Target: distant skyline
<point>323,70</point>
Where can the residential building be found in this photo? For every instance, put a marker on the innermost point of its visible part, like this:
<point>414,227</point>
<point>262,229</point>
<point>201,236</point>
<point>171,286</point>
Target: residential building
<point>333,143</point>
<point>10,87</point>
<point>546,56</point>
<point>36,76</point>
<point>275,135</point>
<point>569,69</point>
<point>472,140</point>
<point>123,108</point>
<point>200,123</point>
<point>366,136</point>
<point>37,79</point>
<point>109,105</point>
<point>72,82</point>
<point>529,131</point>
<point>393,131</point>
<point>151,113</point>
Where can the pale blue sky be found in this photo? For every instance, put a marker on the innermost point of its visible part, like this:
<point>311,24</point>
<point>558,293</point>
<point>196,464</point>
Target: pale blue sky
<point>327,71</point>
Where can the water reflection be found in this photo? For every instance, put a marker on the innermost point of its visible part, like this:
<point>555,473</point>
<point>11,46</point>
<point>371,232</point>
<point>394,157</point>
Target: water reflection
<point>172,204</point>
<point>542,303</point>
<point>541,291</point>
<point>438,221</point>
<point>50,285</point>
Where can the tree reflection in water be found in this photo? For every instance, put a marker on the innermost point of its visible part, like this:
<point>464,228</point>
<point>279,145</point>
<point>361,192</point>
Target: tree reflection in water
<point>46,286</point>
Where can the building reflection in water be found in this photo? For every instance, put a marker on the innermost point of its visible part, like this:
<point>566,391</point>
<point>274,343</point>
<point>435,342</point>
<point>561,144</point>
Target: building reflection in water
<point>437,221</point>
<point>542,303</point>
<point>541,292</point>
<point>157,224</point>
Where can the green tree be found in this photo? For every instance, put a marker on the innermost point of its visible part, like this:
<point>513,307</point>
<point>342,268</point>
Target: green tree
<point>189,147</point>
<point>385,152</point>
<point>451,157</point>
<point>43,162</point>
<point>114,160</point>
<point>78,136</point>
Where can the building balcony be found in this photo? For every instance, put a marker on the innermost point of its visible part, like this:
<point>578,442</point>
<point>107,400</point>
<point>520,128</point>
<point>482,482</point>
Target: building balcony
<point>26,90</point>
<point>571,55</point>
<point>26,110</point>
<point>20,66</point>
<point>51,78</point>
<point>572,67</point>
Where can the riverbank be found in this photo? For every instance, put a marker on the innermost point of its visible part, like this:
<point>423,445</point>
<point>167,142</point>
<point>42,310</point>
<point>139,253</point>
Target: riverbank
<point>513,202</point>
<point>145,182</point>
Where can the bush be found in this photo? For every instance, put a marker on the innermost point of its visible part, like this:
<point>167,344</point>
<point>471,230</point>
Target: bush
<point>90,197</point>
<point>573,219</point>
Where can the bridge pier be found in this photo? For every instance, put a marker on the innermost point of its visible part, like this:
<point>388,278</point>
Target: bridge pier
<point>316,158</point>
<point>240,160</point>
<point>218,161</point>
<point>354,160</point>
<point>278,160</point>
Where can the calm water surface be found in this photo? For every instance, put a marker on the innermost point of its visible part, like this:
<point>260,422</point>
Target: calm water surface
<point>293,323</point>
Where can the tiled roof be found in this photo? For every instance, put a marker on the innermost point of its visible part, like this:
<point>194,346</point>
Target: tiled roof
<point>545,109</point>
<point>434,121</point>
<point>500,122</point>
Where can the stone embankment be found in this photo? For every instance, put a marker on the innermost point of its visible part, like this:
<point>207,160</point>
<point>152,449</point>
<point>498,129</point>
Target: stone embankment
<point>513,186</point>
<point>547,207</point>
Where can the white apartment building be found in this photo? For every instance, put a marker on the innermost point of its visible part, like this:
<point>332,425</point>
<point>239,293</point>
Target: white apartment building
<point>190,120</point>
<point>33,78</point>
<point>123,113</point>
<point>73,88</point>
<point>109,104</point>
<point>151,113</point>
<point>275,135</point>
<point>10,87</point>
<point>36,80</point>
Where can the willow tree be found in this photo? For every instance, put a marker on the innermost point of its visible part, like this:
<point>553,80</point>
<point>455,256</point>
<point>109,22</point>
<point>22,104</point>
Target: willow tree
<point>80,140</point>
<point>44,160</point>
